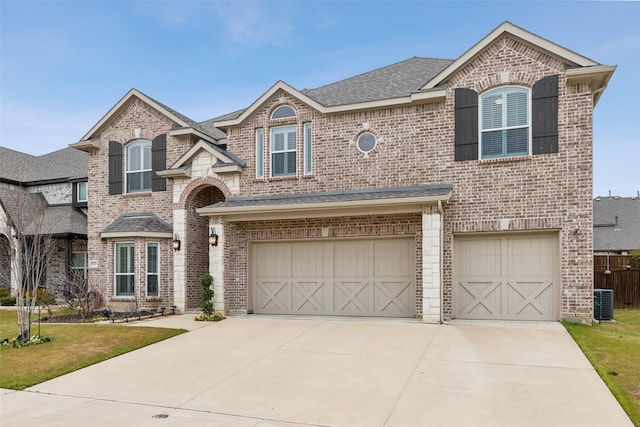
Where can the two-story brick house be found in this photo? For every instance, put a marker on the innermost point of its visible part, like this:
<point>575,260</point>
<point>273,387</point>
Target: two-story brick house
<point>428,188</point>
<point>44,195</point>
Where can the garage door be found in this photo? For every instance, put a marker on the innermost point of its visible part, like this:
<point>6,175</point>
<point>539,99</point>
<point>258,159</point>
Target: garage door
<point>374,277</point>
<point>506,277</point>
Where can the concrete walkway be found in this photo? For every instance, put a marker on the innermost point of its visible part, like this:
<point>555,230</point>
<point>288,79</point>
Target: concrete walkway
<point>285,372</point>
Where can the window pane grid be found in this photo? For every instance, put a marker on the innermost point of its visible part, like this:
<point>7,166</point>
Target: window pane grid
<point>505,123</point>
<point>124,269</point>
<point>139,171</point>
<point>153,267</point>
<point>283,151</point>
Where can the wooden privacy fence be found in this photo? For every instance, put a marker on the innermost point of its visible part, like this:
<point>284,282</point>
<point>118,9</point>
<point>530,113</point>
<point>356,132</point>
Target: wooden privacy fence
<point>625,285</point>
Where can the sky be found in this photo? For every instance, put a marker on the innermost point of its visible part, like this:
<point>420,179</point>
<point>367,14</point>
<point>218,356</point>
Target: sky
<point>64,64</point>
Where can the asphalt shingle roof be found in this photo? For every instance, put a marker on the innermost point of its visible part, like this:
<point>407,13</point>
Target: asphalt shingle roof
<point>138,222</point>
<point>607,236</point>
<point>393,81</point>
<point>337,196</point>
<point>396,80</point>
<point>24,209</point>
<point>67,163</point>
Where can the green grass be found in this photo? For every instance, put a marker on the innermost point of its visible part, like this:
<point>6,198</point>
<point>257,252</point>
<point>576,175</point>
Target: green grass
<point>614,351</point>
<point>73,346</point>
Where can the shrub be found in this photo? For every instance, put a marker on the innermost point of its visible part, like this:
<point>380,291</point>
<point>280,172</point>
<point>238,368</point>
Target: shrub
<point>206,280</point>
<point>4,292</point>
<point>7,301</point>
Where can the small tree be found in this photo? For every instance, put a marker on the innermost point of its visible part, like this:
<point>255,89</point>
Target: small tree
<point>80,297</point>
<point>30,247</point>
<point>206,280</point>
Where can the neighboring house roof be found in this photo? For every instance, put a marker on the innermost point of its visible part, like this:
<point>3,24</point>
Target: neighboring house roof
<point>23,168</point>
<point>138,224</point>
<point>24,210</point>
<point>616,224</point>
<point>421,78</point>
<point>338,203</point>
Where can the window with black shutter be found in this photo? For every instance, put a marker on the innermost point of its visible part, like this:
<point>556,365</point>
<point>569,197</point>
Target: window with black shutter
<point>158,162</point>
<point>115,167</point>
<point>466,124</point>
<point>544,97</point>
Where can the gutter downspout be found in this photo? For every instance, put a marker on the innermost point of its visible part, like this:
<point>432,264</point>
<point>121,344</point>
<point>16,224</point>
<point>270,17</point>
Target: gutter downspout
<point>440,257</point>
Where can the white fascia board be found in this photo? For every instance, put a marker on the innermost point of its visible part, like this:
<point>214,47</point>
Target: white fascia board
<point>526,36</point>
<point>191,131</point>
<point>176,173</point>
<point>86,145</point>
<point>599,77</point>
<point>193,151</point>
<point>430,95</point>
<point>132,93</point>
<point>312,210</point>
<point>265,96</point>
<point>123,234</point>
<point>226,168</point>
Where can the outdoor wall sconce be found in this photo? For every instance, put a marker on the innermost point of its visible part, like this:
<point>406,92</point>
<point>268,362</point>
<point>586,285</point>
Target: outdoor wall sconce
<point>213,237</point>
<point>176,242</point>
<point>576,231</point>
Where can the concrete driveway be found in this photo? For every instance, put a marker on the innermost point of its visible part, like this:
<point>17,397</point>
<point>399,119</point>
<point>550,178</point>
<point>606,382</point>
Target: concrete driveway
<point>285,372</point>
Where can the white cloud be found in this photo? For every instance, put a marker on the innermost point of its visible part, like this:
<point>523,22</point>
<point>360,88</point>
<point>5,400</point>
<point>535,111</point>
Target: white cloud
<point>253,23</point>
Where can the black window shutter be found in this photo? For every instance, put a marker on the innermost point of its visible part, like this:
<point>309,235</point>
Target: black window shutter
<point>466,123</point>
<point>544,115</point>
<point>158,162</point>
<point>115,167</point>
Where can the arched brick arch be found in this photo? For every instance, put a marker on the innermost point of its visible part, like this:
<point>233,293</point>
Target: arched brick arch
<point>198,183</point>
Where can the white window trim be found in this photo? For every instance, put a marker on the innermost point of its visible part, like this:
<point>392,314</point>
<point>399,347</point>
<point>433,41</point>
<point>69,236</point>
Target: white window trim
<point>126,165</point>
<point>86,192</point>
<point>273,130</point>
<point>280,107</point>
<point>260,153</point>
<point>308,148</point>
<point>529,125</point>
<point>157,273</point>
<point>115,272</point>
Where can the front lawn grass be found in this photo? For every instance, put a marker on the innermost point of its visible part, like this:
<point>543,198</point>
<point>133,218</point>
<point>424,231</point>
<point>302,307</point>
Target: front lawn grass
<point>613,348</point>
<point>73,346</point>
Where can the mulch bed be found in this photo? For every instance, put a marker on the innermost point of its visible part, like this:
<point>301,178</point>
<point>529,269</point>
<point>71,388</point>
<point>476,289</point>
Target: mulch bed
<point>98,316</point>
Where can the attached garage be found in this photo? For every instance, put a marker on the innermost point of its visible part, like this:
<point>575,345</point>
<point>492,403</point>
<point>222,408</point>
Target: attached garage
<point>509,276</point>
<point>342,277</point>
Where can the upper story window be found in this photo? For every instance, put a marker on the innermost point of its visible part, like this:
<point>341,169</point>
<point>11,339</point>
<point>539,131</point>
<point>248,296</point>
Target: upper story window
<point>366,142</point>
<point>505,122</point>
<point>138,166</point>
<point>283,150</point>
<point>81,192</point>
<point>283,112</point>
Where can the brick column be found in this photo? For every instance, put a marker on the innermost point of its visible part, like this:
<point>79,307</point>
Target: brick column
<point>179,261</point>
<point>431,267</point>
<point>216,265</point>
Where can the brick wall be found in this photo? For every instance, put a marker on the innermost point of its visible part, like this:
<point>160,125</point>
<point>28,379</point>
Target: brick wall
<point>550,191</point>
<point>105,208</point>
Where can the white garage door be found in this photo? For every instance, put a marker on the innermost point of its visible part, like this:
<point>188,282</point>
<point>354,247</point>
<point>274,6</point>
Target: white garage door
<point>506,277</point>
<point>373,277</point>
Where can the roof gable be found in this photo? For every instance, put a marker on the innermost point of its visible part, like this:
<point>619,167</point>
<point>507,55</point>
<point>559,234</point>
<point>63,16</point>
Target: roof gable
<point>184,124</point>
<point>526,37</point>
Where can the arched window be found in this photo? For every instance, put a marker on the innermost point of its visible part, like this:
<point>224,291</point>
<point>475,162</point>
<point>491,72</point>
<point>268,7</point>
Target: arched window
<point>138,166</point>
<point>282,112</point>
<point>505,122</point>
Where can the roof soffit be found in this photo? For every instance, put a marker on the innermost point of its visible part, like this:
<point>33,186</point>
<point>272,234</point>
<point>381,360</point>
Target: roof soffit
<point>565,55</point>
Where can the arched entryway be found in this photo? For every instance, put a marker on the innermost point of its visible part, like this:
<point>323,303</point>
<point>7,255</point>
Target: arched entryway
<point>196,241</point>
